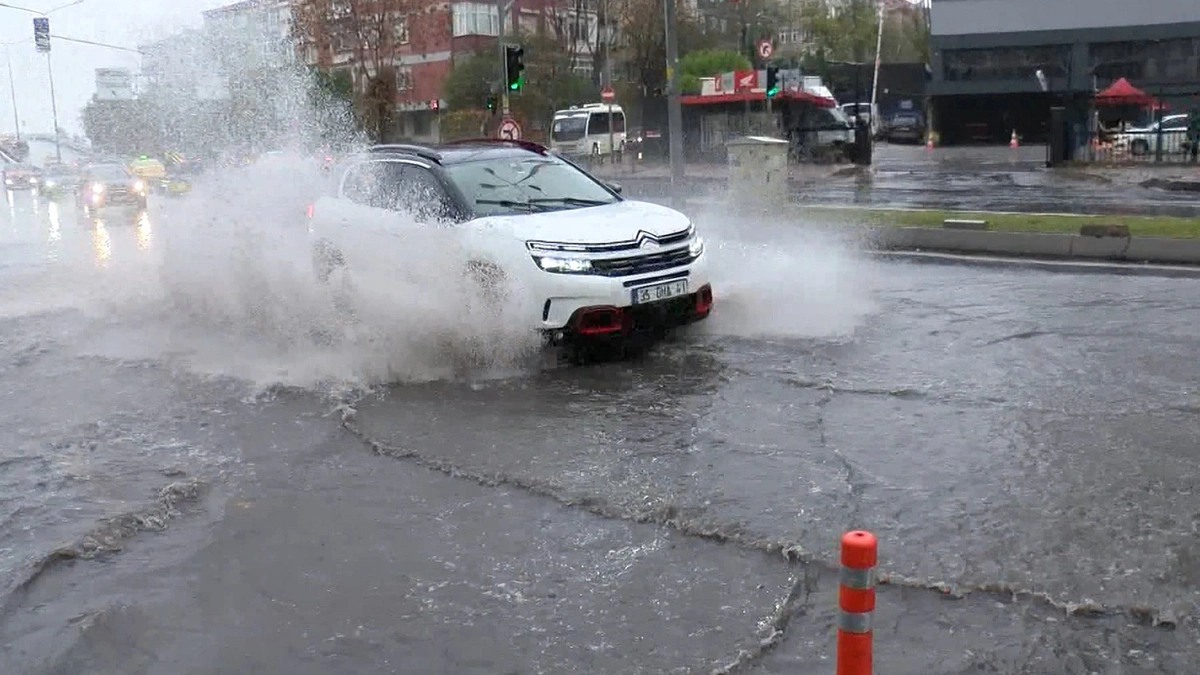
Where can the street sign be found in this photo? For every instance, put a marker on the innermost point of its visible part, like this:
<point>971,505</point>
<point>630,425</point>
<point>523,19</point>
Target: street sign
<point>510,130</point>
<point>765,50</point>
<point>41,33</point>
<point>607,95</point>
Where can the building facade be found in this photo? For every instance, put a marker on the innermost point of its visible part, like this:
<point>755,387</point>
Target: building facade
<point>986,56</point>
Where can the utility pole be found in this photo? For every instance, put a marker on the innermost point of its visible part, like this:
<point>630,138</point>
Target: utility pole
<point>12,89</point>
<point>612,148</point>
<point>875,81</point>
<point>674,111</point>
<point>54,111</point>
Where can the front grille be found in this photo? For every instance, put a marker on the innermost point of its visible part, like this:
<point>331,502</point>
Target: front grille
<point>614,247</point>
<point>642,264</point>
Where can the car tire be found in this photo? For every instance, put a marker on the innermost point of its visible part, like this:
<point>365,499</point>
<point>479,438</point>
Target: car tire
<point>142,204</point>
<point>1139,147</point>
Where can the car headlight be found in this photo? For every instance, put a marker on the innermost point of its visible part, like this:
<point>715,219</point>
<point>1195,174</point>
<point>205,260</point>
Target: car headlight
<point>696,247</point>
<point>97,187</point>
<point>139,186</point>
<point>50,183</point>
<point>564,265</point>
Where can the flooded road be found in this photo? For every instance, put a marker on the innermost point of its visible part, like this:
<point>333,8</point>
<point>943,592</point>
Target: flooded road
<point>183,490</point>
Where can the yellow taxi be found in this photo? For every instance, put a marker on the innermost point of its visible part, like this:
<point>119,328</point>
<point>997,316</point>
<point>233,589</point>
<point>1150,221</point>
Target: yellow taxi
<point>148,169</point>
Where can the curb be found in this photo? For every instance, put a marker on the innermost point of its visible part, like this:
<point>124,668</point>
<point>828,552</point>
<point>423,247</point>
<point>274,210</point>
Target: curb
<point>1045,246</point>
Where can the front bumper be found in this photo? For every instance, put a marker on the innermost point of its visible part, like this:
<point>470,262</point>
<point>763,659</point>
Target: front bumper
<point>562,296</point>
<point>115,199</point>
<point>601,324</point>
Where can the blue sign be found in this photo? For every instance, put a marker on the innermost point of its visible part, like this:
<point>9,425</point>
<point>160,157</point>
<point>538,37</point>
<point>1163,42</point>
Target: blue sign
<point>41,33</point>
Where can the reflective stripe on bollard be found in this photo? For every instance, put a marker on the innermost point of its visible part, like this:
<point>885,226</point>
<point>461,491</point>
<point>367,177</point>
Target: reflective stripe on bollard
<point>856,602</point>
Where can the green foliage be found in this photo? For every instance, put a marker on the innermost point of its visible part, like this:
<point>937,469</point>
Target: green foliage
<point>710,62</point>
<point>472,79</point>
<point>850,34</point>
<point>550,81</point>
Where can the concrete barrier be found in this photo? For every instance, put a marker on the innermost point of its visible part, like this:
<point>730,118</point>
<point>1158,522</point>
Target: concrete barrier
<point>974,241</point>
<point>1164,249</point>
<point>1103,248</point>
<point>1037,245</point>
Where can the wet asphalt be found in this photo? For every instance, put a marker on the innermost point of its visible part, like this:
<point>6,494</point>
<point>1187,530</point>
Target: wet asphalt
<point>1023,443</point>
<point>985,178</point>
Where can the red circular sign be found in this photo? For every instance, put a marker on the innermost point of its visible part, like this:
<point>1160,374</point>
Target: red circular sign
<point>606,94</point>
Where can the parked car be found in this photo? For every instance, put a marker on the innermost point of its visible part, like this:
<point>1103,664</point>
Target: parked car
<point>904,127</point>
<point>1140,141</point>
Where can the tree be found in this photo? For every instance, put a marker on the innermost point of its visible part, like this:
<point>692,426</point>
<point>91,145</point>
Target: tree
<point>847,32</point>
<point>373,34</point>
<point>642,43</point>
<point>472,80</point>
<point>707,63</point>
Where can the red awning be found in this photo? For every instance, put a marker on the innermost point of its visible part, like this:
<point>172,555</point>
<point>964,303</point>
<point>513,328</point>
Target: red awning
<point>743,96</point>
<point>1123,93</point>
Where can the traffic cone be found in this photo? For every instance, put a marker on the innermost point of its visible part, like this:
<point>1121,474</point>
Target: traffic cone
<point>1012,142</point>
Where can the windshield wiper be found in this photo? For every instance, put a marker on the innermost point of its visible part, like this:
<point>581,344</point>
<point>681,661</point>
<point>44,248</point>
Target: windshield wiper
<point>530,205</point>
<point>573,201</point>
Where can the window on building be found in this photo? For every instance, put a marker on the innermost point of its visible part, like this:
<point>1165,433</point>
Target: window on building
<point>475,18</point>
<point>1008,63</point>
<point>404,78</point>
<point>400,30</point>
<point>1169,60</point>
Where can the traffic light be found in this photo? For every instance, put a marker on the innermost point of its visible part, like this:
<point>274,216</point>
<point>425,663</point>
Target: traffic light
<point>772,81</point>
<point>514,66</point>
<point>491,103</point>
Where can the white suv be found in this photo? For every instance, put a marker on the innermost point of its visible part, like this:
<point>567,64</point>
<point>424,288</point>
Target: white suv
<point>599,267</point>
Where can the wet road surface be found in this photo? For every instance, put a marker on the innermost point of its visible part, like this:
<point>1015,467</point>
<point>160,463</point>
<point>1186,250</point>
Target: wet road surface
<point>181,495</point>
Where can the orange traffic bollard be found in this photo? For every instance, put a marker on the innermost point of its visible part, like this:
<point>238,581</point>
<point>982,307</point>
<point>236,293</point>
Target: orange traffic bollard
<point>856,600</point>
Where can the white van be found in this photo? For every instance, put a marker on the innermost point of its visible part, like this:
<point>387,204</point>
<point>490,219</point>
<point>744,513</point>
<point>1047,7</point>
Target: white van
<point>584,130</point>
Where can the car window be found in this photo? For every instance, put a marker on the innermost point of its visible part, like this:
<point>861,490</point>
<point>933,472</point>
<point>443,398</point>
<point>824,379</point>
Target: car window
<point>524,184</point>
<point>1173,124</point>
<point>373,183</point>
<point>397,186</point>
<point>421,195</point>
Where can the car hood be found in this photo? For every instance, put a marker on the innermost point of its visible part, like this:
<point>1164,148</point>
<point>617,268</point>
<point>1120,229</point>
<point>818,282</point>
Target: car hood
<point>611,223</point>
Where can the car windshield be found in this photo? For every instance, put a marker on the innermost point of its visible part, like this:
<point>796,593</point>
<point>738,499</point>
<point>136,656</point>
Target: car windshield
<point>525,184</point>
<point>108,173</point>
<point>569,128</point>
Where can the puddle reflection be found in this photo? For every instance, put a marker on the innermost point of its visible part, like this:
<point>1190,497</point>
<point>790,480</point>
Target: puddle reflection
<point>101,242</point>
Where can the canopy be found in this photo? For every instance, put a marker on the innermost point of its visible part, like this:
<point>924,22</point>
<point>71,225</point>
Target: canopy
<point>1123,93</point>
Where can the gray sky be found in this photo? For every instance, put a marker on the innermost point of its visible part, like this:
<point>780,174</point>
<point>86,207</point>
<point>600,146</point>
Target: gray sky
<point>120,22</point>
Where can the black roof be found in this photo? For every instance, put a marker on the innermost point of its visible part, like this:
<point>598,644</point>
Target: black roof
<point>462,151</point>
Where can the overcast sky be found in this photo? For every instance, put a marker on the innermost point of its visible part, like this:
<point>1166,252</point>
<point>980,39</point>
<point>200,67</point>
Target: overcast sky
<point>125,23</point>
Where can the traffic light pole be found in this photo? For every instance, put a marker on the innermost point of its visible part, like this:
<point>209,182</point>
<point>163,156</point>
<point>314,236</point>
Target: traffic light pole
<point>501,11</point>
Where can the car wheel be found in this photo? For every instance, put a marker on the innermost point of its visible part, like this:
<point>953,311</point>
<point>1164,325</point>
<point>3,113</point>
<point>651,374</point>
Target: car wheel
<point>142,204</point>
<point>326,258</point>
<point>1139,147</point>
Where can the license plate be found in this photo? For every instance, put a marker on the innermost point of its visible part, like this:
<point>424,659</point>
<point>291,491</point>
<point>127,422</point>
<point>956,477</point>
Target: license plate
<point>671,289</point>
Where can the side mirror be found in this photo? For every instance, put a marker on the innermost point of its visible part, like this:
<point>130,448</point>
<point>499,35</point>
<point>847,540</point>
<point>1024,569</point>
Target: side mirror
<point>615,187</point>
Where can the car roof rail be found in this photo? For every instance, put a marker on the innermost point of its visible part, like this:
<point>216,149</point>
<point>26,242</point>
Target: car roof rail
<point>418,150</point>
<point>527,145</point>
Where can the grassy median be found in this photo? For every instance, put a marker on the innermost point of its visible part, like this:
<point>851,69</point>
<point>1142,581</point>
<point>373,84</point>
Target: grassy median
<point>1146,226</point>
